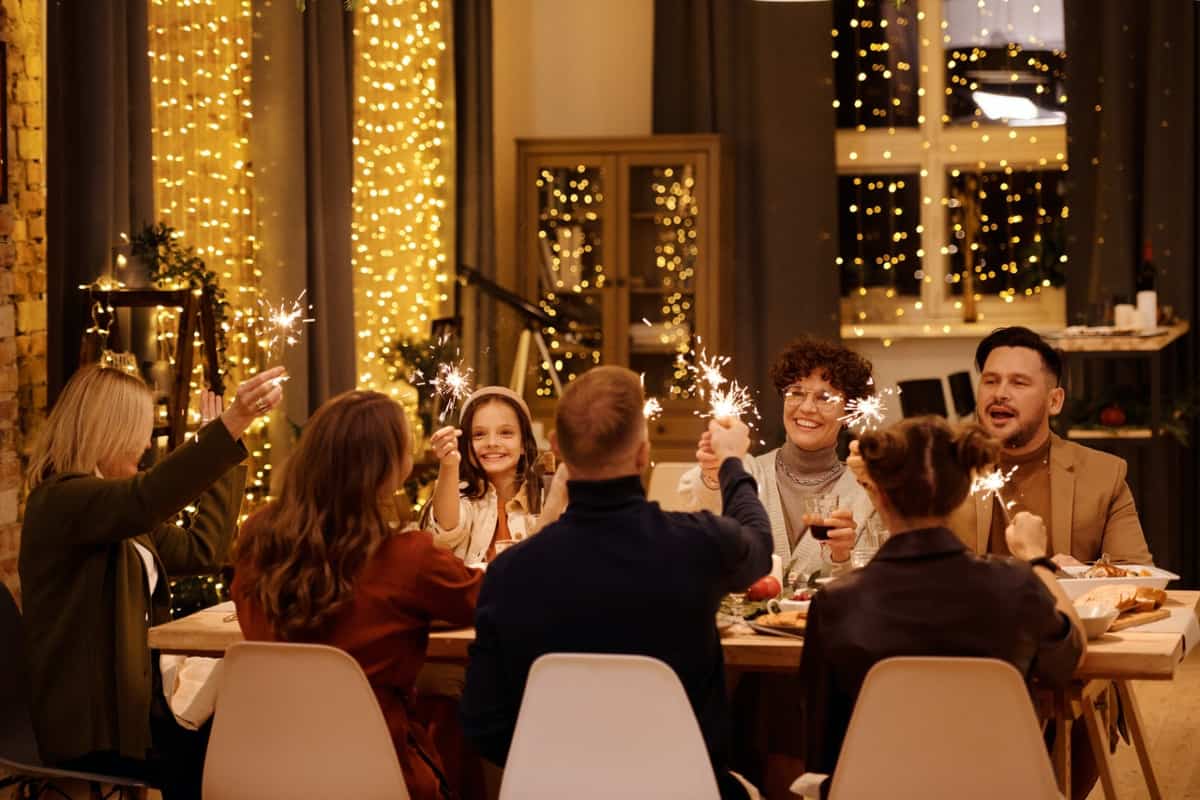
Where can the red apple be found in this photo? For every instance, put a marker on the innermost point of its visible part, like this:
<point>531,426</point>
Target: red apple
<point>1113,416</point>
<point>764,589</point>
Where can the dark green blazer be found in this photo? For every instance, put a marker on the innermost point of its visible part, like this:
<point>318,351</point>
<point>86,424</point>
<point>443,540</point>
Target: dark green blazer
<point>86,602</point>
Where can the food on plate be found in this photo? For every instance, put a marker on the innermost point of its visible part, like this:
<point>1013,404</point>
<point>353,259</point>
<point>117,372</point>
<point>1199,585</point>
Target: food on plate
<point>785,619</point>
<point>1104,568</point>
<point>804,595</point>
<point>764,588</point>
<point>1123,598</point>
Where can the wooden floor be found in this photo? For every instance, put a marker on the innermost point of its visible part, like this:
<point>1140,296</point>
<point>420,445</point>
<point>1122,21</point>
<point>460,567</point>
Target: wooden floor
<point>1172,716</point>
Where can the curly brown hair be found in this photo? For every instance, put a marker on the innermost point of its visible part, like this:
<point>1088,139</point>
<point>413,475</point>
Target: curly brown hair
<point>846,370</point>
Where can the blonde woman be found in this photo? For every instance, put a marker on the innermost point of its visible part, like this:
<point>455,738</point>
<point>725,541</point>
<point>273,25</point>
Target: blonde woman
<point>96,549</point>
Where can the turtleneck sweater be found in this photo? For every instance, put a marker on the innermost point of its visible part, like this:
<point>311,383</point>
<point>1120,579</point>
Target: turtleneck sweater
<point>801,474</point>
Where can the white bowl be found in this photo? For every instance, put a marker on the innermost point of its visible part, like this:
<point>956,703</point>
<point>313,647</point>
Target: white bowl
<point>793,605</point>
<point>1096,619</point>
<point>1075,585</point>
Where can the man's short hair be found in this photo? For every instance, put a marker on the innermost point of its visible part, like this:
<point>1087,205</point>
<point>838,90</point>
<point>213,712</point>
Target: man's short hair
<point>1017,336</point>
<point>600,417</point>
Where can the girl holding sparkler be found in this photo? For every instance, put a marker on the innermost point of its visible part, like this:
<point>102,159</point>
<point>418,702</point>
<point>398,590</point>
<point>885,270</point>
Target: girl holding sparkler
<point>489,487</point>
<point>817,379</point>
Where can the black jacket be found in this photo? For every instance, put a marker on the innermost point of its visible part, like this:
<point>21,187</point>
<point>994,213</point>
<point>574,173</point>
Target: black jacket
<point>617,574</point>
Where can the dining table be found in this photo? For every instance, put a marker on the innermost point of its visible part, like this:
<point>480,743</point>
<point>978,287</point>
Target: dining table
<point>1150,652</point>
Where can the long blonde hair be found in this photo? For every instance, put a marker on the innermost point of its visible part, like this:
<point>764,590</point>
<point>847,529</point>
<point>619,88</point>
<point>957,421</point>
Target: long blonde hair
<point>102,413</point>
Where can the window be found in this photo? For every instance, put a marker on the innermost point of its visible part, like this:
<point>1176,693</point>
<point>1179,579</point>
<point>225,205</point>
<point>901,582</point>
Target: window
<point>951,154</point>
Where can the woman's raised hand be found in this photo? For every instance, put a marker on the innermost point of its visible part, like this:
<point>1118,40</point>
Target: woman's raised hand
<point>254,398</point>
<point>210,406</point>
<point>444,444</point>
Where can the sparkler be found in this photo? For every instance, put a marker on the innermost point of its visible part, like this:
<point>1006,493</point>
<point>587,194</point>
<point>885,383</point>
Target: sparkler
<point>451,383</point>
<point>285,323</point>
<point>651,408</point>
<point>731,402</point>
<point>867,413</point>
<point>989,484</point>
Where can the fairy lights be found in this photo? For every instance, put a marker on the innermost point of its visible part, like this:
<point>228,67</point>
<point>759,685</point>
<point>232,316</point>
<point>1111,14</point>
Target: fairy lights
<point>912,80</point>
<point>401,230</point>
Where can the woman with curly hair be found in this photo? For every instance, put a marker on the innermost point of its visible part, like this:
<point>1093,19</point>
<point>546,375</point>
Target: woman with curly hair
<point>816,378</point>
<point>328,563</point>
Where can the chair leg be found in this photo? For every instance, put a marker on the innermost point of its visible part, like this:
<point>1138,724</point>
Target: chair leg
<point>1062,749</point>
<point>1137,732</point>
<point>1096,734</point>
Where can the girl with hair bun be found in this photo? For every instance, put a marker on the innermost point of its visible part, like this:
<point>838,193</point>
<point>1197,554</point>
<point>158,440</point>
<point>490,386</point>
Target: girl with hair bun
<point>925,593</point>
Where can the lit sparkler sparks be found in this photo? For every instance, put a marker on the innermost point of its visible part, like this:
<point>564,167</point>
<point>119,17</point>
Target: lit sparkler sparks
<point>285,322</point>
<point>451,383</point>
<point>651,408</point>
<point>989,484</point>
<point>867,413</point>
<point>731,403</point>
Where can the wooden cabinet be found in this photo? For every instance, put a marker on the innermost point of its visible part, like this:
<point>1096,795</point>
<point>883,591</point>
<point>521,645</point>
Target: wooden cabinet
<point>629,243</point>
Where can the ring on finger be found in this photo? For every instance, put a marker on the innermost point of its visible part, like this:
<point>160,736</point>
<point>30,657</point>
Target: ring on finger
<point>262,405</point>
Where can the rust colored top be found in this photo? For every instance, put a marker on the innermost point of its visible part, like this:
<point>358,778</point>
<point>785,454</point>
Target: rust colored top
<point>405,585</point>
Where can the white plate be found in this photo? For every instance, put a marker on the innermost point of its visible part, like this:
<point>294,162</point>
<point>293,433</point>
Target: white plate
<point>1077,586</point>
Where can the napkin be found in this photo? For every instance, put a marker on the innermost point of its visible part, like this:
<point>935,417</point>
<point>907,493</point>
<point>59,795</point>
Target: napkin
<point>190,686</point>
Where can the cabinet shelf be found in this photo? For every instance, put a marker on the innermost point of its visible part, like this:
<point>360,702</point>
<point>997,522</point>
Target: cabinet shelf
<point>635,175</point>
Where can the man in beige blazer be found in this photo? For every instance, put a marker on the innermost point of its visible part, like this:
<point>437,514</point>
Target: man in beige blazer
<point>1081,493</point>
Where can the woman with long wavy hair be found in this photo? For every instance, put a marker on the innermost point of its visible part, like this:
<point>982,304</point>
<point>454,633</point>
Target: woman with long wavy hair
<point>328,563</point>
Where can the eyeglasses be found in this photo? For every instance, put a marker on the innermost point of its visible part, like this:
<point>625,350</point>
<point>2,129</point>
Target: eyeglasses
<point>826,402</point>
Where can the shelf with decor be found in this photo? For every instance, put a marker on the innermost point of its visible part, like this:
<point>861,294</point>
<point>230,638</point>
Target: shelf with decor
<point>1127,394</point>
<point>633,238</point>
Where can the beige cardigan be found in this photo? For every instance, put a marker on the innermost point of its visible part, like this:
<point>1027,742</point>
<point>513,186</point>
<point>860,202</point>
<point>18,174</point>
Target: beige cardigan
<point>806,557</point>
<point>477,519</point>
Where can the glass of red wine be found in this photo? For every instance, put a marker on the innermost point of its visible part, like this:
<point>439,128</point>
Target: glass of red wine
<point>820,508</point>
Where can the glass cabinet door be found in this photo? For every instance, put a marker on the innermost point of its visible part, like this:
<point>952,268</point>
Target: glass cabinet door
<point>574,277</point>
<point>663,255</point>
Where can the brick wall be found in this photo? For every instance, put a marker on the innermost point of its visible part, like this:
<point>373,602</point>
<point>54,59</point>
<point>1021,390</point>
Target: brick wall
<point>22,267</point>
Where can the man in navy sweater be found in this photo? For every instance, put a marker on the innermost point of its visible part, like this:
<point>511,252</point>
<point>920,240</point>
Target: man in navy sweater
<point>615,573</point>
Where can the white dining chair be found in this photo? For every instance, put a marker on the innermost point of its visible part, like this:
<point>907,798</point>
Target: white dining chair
<point>664,484</point>
<point>603,726</point>
<point>941,727</point>
<point>298,722</point>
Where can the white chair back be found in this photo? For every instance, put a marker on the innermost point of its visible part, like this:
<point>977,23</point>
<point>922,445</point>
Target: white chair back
<point>664,484</point>
<point>298,722</point>
<point>595,727</point>
<point>944,727</point>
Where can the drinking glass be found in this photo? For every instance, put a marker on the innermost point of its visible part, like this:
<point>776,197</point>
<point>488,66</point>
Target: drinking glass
<point>822,506</point>
<point>873,535</point>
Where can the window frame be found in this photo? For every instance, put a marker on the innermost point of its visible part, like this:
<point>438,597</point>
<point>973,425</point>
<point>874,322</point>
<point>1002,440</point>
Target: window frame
<point>932,150</point>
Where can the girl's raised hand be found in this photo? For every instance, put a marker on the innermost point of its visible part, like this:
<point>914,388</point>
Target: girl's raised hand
<point>444,444</point>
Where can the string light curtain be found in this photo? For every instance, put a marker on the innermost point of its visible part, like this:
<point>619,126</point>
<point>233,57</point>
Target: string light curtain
<point>201,123</point>
<point>402,231</point>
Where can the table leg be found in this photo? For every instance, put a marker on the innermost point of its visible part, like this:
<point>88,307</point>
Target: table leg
<point>1137,732</point>
<point>1098,736</point>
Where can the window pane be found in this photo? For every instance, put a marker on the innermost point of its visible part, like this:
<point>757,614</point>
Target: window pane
<point>879,234</point>
<point>1005,62</point>
<point>1016,222</point>
<point>875,63</point>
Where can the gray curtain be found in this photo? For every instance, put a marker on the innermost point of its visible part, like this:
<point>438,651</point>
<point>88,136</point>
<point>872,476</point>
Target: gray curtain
<point>99,183</point>
<point>474,172</point>
<point>1132,138</point>
<point>759,73</point>
<point>303,155</point>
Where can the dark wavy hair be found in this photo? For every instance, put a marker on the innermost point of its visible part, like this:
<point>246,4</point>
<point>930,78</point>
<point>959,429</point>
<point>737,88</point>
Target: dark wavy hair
<point>471,470</point>
<point>305,549</point>
<point>924,464</point>
<point>846,370</point>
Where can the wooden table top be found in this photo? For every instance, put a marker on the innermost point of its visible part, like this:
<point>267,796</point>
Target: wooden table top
<point>1119,344</point>
<point>1127,655</point>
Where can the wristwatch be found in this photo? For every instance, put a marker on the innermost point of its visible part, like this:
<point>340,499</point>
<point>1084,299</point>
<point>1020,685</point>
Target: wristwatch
<point>1044,561</point>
